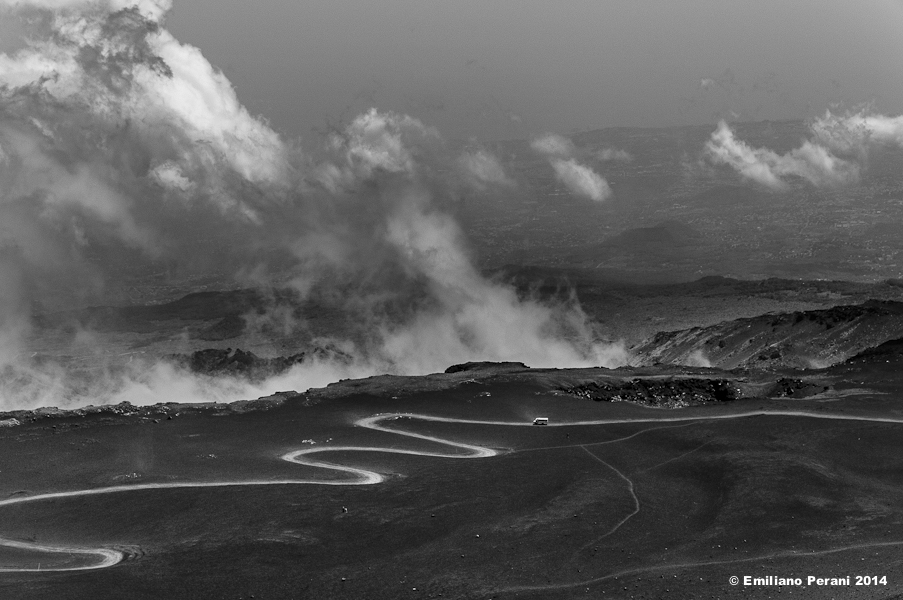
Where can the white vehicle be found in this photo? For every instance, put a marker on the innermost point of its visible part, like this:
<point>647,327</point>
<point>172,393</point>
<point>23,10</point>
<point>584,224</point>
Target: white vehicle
<point>541,421</point>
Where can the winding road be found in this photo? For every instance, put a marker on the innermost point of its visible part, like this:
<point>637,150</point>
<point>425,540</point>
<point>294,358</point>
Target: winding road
<point>108,557</point>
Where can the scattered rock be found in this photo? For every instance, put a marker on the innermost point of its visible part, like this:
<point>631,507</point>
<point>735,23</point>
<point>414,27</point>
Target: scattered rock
<point>662,393</point>
<point>787,387</point>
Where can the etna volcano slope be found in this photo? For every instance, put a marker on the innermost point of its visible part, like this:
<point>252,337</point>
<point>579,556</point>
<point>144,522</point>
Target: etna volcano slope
<point>802,339</point>
<point>359,490</point>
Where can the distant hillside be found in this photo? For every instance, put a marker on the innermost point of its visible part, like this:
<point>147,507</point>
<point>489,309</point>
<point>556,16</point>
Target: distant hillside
<point>890,351</point>
<point>668,234</point>
<point>206,316</point>
<point>670,240</point>
<point>200,306</point>
<point>808,339</point>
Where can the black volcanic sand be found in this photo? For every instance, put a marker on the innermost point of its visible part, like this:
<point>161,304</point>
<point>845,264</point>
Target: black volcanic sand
<point>764,495</point>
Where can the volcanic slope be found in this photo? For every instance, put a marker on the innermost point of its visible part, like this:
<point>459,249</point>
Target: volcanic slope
<point>803,339</point>
<point>611,496</point>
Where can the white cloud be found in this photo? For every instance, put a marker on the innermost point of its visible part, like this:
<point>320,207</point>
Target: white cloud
<point>482,168</point>
<point>606,154</point>
<point>811,161</point>
<point>553,145</point>
<point>151,9</point>
<point>169,175</point>
<point>578,178</point>
<point>381,141</point>
<point>581,180</point>
<point>834,155</point>
<point>165,90</point>
<point>853,132</point>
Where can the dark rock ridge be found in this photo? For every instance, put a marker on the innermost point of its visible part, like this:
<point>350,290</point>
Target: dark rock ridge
<point>241,363</point>
<point>61,419</point>
<point>662,393</point>
<point>486,366</point>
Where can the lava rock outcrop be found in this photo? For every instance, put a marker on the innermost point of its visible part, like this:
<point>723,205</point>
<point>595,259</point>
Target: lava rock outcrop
<point>663,393</point>
<point>486,366</point>
<point>245,364</point>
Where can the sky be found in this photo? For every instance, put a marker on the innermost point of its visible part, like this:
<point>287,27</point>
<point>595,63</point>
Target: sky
<point>515,68</point>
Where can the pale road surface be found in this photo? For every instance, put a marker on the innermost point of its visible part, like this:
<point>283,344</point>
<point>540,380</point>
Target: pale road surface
<point>108,557</point>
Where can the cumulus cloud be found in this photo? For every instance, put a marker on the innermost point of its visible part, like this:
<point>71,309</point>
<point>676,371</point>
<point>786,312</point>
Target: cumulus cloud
<point>113,135</point>
<point>835,154</point>
<point>578,178</point>
<point>120,147</point>
<point>812,162</point>
<point>113,65</point>
<point>581,180</point>
<point>383,141</point>
<point>150,9</point>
